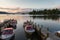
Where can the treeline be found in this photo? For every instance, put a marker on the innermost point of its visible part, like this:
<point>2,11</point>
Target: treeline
<point>48,12</point>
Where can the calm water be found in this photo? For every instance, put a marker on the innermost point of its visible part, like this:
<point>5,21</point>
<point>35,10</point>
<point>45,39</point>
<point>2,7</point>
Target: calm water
<point>53,23</point>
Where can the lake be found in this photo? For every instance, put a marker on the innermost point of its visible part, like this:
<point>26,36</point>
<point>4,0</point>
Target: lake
<point>53,23</point>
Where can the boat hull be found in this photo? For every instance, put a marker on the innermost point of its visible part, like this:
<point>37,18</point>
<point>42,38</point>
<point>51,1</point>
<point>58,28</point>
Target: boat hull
<point>30,32</point>
<point>7,37</point>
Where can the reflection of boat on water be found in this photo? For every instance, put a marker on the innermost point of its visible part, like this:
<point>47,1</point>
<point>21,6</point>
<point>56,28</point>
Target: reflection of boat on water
<point>29,28</point>
<point>7,33</point>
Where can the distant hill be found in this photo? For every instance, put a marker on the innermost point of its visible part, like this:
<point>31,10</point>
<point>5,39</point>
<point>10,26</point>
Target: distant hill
<point>15,10</point>
<point>3,12</point>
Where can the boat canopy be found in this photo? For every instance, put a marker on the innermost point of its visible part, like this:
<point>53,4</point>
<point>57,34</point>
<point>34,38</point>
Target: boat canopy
<point>28,25</point>
<point>8,29</point>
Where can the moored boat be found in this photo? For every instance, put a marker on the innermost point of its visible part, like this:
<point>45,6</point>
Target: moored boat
<point>7,33</point>
<point>29,28</point>
<point>57,33</point>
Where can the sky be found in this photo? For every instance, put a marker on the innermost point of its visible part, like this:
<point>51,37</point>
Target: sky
<point>30,3</point>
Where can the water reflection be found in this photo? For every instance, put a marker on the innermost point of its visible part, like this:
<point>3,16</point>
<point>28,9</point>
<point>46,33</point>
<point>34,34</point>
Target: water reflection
<point>46,17</point>
<point>34,36</point>
<point>52,22</point>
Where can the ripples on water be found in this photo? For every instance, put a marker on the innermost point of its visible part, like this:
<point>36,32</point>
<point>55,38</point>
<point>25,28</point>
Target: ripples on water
<point>52,23</point>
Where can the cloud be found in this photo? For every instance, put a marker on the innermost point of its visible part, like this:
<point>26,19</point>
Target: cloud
<point>57,6</point>
<point>9,9</point>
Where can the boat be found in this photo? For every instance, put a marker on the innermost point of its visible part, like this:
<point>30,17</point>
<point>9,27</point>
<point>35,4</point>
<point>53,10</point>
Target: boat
<point>7,33</point>
<point>29,28</point>
<point>57,33</point>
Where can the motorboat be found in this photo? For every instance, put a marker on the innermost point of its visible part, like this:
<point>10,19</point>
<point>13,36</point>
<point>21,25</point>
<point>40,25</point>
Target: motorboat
<point>7,33</point>
<point>57,33</point>
<point>29,29</point>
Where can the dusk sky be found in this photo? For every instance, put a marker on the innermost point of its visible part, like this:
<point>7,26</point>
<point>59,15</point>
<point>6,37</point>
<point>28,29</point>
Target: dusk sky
<point>30,3</point>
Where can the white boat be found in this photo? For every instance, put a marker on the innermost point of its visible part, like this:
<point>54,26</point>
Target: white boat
<point>7,33</point>
<point>29,29</point>
<point>57,33</point>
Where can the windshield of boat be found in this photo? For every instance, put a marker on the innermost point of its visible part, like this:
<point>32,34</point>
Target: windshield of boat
<point>7,32</point>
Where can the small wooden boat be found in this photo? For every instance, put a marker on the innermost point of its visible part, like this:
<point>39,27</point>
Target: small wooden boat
<point>57,33</point>
<point>7,34</point>
<point>29,29</point>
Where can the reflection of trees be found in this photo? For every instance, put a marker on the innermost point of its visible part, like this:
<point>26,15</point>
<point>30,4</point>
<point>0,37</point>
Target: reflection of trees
<point>46,17</point>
